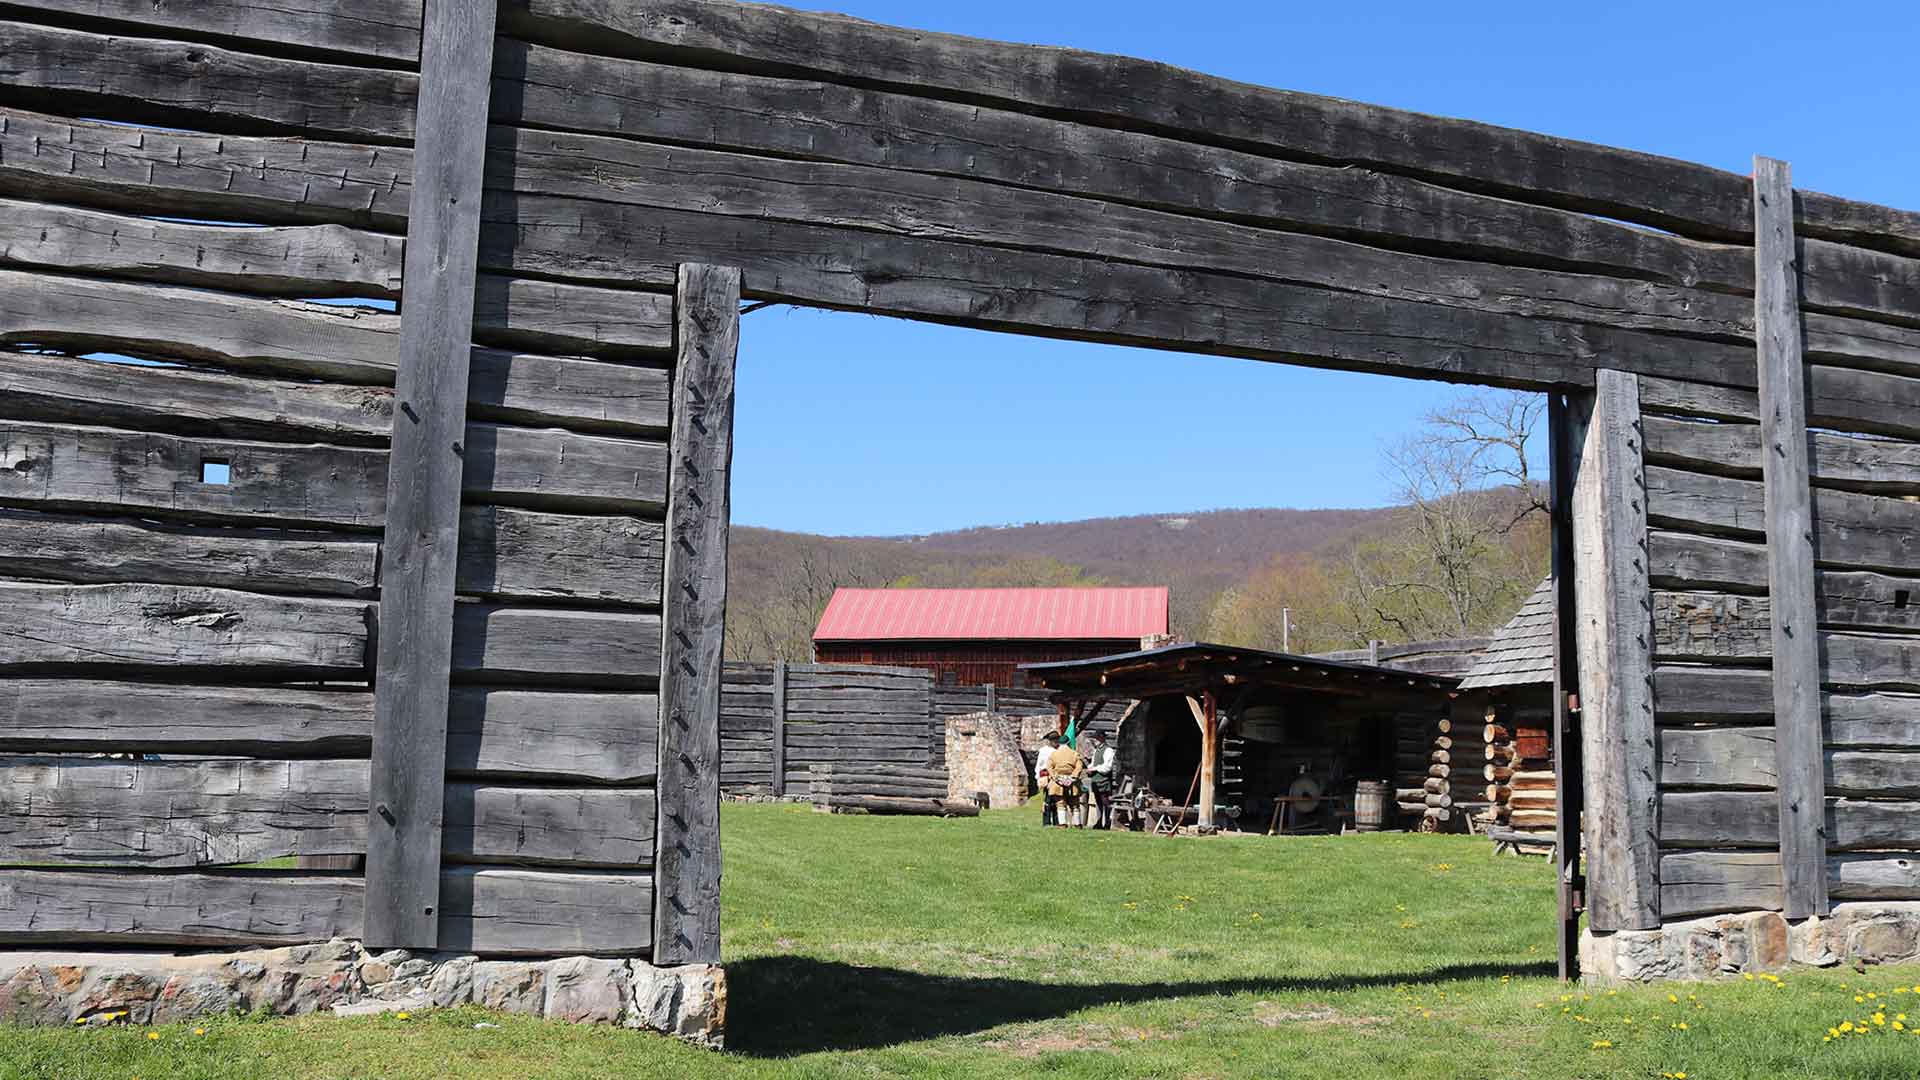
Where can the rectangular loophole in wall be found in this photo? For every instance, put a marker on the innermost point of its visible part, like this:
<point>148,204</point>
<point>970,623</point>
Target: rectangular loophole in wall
<point>216,471</point>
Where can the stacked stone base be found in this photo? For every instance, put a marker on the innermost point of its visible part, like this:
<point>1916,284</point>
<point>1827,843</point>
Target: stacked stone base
<point>342,977</point>
<point>1865,933</point>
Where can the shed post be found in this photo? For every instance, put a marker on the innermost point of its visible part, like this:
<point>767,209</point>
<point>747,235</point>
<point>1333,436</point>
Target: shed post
<point>418,555</point>
<point>1797,737</point>
<point>778,784</point>
<point>1209,756</point>
<point>693,617</point>
<point>1570,885</point>
<point>1614,629</point>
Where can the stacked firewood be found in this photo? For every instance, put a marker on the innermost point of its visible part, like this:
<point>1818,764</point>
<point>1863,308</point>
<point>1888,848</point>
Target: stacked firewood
<point>1519,770</point>
<point>1411,791</point>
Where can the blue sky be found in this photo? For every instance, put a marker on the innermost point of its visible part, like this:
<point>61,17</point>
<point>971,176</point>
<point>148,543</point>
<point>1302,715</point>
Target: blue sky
<point>858,425</point>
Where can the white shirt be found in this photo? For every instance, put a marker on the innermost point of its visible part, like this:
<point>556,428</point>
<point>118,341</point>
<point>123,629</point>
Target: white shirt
<point>1040,761</point>
<point>1102,762</point>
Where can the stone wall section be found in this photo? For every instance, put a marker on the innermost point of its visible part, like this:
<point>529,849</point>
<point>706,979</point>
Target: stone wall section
<point>985,754</point>
<point>342,977</point>
<point>1718,945</point>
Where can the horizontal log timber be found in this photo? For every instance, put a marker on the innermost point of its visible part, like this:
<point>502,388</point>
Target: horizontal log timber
<point>283,260</point>
<point>209,813</point>
<point>386,30</point>
<point>492,733</point>
<point>1862,720</point>
<point>867,199</point>
<point>171,83</point>
<point>1721,627</point>
<point>1842,398</point>
<point>1139,94</point>
<point>1699,882</point>
<point>1851,529</point>
<point>1874,876</point>
<point>505,553</point>
<point>310,340</point>
<point>823,121</point>
<point>1842,461</point>
<point>1074,297</point>
<point>1716,757</point>
<point>1112,91</point>
<point>492,642</point>
<point>56,467</point>
<point>1752,819</point>
<point>58,547</point>
<point>492,912</point>
<point>47,627</point>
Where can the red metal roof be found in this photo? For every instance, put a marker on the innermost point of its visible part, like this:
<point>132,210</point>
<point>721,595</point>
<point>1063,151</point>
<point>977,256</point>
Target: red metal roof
<point>993,614</point>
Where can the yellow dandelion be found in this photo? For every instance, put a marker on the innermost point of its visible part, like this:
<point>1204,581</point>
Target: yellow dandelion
<point>199,1031</point>
<point>1857,999</point>
<point>1681,1026</point>
<point>1602,1044</point>
<point>1613,993</point>
<point>1879,1019</point>
<point>154,1035</point>
<point>79,1019</point>
<point>1898,1026</point>
<point>1846,1026</point>
<point>1673,999</point>
<point>1748,976</point>
<point>403,1016</point>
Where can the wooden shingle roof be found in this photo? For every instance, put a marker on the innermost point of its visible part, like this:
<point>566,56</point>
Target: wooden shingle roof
<point>1522,652</point>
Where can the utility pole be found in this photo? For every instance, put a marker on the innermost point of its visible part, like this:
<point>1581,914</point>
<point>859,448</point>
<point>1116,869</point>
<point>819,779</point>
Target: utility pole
<point>1286,629</point>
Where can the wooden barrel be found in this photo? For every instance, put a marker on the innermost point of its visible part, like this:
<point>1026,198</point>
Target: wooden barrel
<point>1370,798</point>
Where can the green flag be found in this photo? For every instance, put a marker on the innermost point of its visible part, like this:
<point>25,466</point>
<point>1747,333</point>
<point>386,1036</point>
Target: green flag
<point>1072,737</point>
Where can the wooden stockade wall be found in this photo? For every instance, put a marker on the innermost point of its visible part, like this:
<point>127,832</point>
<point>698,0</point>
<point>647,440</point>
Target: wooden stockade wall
<point>844,715</point>
<point>1744,361</point>
<point>196,548</point>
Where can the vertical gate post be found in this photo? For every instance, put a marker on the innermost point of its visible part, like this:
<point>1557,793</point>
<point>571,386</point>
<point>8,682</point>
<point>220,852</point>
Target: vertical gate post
<point>1797,735</point>
<point>1570,887</point>
<point>1614,630</point>
<point>693,620</point>
<point>415,648</point>
<point>779,784</point>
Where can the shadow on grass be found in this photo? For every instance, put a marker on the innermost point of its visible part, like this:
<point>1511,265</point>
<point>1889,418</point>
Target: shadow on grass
<point>785,1005</point>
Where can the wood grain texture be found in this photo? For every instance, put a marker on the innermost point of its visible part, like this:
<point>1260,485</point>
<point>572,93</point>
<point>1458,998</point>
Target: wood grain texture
<point>1701,882</point>
<point>1851,529</point>
<point>1709,694</point>
<point>707,335</point>
<point>495,734</point>
<point>68,627</point>
<point>1873,876</point>
<point>1834,460</point>
<point>387,30</point>
<point>92,551</point>
<point>210,813</point>
<point>494,642</point>
<point>777,759</point>
<point>1120,92</point>
<point>286,260</point>
<point>492,912</point>
<point>606,559</point>
<point>1717,757</point>
<point>1615,649</point>
<point>1731,819</point>
<point>433,456</point>
<point>1072,296</point>
<point>196,86</point>
<point>1841,398</point>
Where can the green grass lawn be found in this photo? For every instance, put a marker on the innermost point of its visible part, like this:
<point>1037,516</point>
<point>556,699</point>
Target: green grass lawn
<point>868,946</point>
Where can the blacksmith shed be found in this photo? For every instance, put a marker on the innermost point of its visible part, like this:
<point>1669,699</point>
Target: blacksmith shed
<point>981,637</point>
<point>1513,682</point>
<point>1237,728</point>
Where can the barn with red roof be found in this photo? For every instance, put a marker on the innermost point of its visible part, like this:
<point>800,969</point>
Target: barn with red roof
<point>977,637</point>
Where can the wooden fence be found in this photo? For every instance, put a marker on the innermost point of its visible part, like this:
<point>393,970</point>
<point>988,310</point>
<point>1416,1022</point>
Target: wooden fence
<point>779,720</point>
<point>530,501</point>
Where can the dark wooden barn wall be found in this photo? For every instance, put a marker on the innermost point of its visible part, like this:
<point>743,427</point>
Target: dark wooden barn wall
<point>854,166</point>
<point>969,663</point>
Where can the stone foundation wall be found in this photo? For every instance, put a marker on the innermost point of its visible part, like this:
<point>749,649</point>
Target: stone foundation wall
<point>1866,933</point>
<point>342,977</point>
<point>984,754</point>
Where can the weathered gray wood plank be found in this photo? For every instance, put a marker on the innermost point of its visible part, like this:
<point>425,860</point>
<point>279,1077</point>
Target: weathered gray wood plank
<point>384,29</point>
<point>546,316</point>
<point>149,80</point>
<point>851,197</point>
<point>707,335</point>
<point>1851,529</point>
<point>1071,296</point>
<point>1752,819</point>
<point>491,733</point>
<point>1137,94</point>
<point>207,813</point>
<point>539,645</point>
<point>1717,757</point>
<point>777,764</point>
<point>1842,398</point>
<point>558,469</point>
<point>100,626</point>
<point>431,452</point>
<point>1834,460</point>
<point>492,912</point>
<point>1616,661</point>
<point>1876,876</point>
<point>1704,625</point>
<point>288,260</point>
<point>608,559</point>
<point>57,547</point>
<point>1699,882</point>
